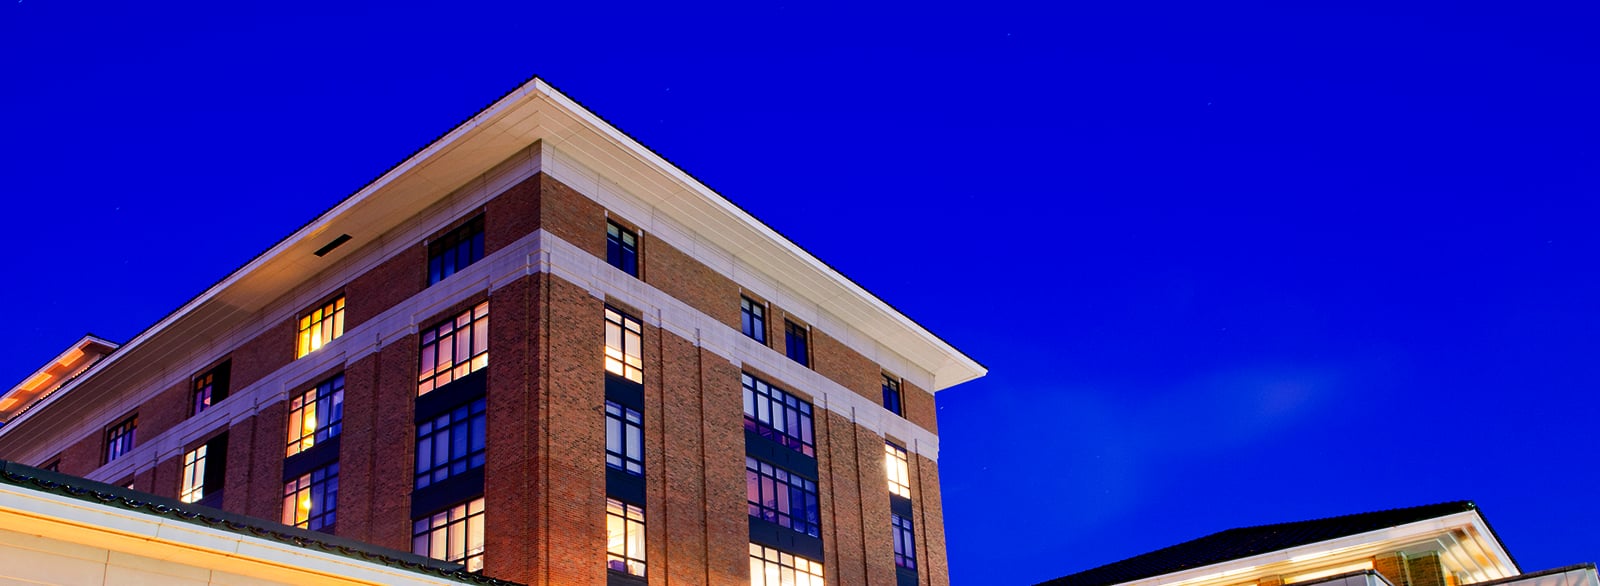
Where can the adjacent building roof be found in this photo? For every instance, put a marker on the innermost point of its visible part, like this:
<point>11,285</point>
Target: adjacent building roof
<point>1244,542</point>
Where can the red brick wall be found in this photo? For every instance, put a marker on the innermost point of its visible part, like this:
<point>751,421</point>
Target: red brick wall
<point>839,469</point>
<point>241,469</point>
<point>691,282</point>
<point>84,456</point>
<point>509,521</point>
<point>264,491</point>
<point>572,438</point>
<point>263,355</point>
<point>511,215</point>
<point>832,359</point>
<point>573,217</point>
<point>163,411</point>
<point>929,523</point>
<point>919,406</point>
<point>385,286</point>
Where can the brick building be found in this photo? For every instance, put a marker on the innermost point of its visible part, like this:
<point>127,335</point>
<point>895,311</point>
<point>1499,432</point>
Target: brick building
<point>537,349</point>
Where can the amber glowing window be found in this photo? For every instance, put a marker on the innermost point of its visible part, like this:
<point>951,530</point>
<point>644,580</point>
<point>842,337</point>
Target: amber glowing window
<point>312,500</point>
<point>897,463</point>
<point>320,326</point>
<point>455,348</point>
<point>453,535</point>
<point>119,438</point>
<point>194,475</point>
<point>623,339</point>
<point>772,567</point>
<point>624,537</point>
<point>316,415</point>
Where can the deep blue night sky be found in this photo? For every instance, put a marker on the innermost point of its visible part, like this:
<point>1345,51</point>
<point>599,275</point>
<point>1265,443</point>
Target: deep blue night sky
<point>1228,264</point>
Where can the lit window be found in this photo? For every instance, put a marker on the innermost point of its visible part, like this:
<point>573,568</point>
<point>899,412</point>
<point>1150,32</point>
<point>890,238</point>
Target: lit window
<point>623,334</point>
<point>624,537</point>
<point>891,394</point>
<point>455,348</point>
<point>119,438</point>
<point>776,415</point>
<point>450,444</point>
<point>316,415</point>
<point>311,501</point>
<point>753,319</point>
<point>797,342</point>
<point>209,388</point>
<point>453,535</point>
<point>320,326</point>
<point>624,439</point>
<point>777,496</point>
<point>455,250</point>
<point>905,543</point>
<point>622,248</point>
<point>194,476</point>
<point>771,567</point>
<point>897,463</point>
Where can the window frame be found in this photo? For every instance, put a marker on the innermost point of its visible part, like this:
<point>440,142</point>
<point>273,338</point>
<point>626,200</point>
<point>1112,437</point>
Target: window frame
<point>462,245</point>
<point>753,319</point>
<point>209,388</point>
<point>319,490</point>
<point>192,480</point>
<point>905,541</point>
<point>118,434</point>
<point>425,529</point>
<point>763,397</point>
<point>776,495</point>
<point>893,397</point>
<point>327,318</point>
<point>897,467</point>
<point>474,321</point>
<point>624,424</point>
<point>620,253</point>
<point>618,360</point>
<point>767,565</point>
<point>473,416</point>
<point>792,332</point>
<point>323,429</point>
<point>632,521</point>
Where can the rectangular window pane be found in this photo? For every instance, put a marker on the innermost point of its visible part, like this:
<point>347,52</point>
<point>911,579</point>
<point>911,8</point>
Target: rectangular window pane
<point>320,326</point>
<point>623,345</point>
<point>897,464</point>
<point>624,439</point>
<point>905,540</point>
<point>455,250</point>
<point>622,248</point>
<point>450,444</point>
<point>777,415</point>
<point>797,342</point>
<point>753,319</point>
<point>453,535</point>
<point>779,496</point>
<point>453,348</point>
<point>770,567</point>
<point>316,415</point>
<point>194,476</point>
<point>311,501</point>
<point>624,538</point>
<point>120,438</point>
<point>891,394</point>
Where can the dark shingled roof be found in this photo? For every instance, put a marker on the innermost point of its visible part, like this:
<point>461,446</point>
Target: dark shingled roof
<point>1244,542</point>
<point>28,477</point>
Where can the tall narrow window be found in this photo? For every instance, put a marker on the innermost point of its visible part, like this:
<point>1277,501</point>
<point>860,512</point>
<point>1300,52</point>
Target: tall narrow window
<point>623,335</point>
<point>209,388</point>
<point>624,537</point>
<point>454,348</point>
<point>453,535</point>
<point>905,543</point>
<point>119,438</point>
<point>194,475</point>
<point>312,500</point>
<point>797,342</point>
<point>622,248</point>
<point>775,495</point>
<point>897,463</point>
<point>624,439</point>
<point>316,415</point>
<point>320,326</point>
<point>455,250</point>
<point>776,415</point>
<point>753,319</point>
<point>772,567</point>
<point>451,444</point>
<point>891,394</point>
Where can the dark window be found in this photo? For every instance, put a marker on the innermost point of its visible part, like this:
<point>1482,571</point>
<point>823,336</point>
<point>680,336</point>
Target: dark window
<point>455,250</point>
<point>776,415</point>
<point>119,438</point>
<point>753,319</point>
<point>624,537</point>
<point>316,415</point>
<point>622,248</point>
<point>455,348</point>
<point>797,342</point>
<point>209,388</point>
<point>891,394</point>
<point>312,500</point>
<point>905,543</point>
<point>777,496</point>
<point>774,567</point>
<point>453,535</point>
<point>624,439</point>
<point>450,444</point>
<point>623,334</point>
<point>320,326</point>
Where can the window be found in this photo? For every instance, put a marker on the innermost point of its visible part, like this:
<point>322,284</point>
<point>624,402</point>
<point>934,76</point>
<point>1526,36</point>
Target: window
<point>312,500</point>
<point>624,439</point>
<point>194,475</point>
<point>119,438</point>
<point>624,537</point>
<point>623,335</point>
<point>209,388</point>
<point>905,543</point>
<point>891,394</point>
<point>796,340</point>
<point>453,535</point>
<point>450,444</point>
<point>777,496</point>
<point>897,463</point>
<point>316,415</point>
<point>320,326</point>
<point>753,319</point>
<point>455,250</point>
<point>776,415</point>
<point>770,567</point>
<point>455,348</point>
<point>622,248</point>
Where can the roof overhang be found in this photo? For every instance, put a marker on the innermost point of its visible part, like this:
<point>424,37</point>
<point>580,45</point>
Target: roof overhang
<point>54,374</point>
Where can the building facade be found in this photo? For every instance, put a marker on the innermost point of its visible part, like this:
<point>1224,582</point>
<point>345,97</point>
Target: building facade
<point>538,350</point>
